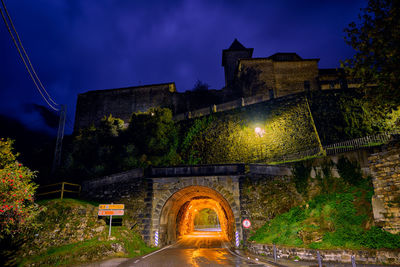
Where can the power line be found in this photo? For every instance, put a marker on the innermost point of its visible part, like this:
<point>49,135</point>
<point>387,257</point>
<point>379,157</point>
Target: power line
<point>36,80</point>
<point>23,59</point>
<point>26,55</point>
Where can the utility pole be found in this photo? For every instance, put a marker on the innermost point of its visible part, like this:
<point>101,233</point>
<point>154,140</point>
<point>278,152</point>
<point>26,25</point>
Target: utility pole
<point>60,136</point>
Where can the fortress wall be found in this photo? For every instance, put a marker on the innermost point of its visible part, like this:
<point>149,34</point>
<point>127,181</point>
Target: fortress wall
<point>261,74</point>
<point>385,170</point>
<point>201,112</point>
<point>290,76</point>
<point>255,99</point>
<point>121,103</point>
<point>229,105</point>
<point>231,63</point>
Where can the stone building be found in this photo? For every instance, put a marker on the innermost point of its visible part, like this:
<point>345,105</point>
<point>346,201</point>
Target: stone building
<point>278,75</point>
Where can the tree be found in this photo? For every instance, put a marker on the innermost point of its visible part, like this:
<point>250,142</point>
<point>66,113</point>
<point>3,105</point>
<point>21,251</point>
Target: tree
<point>200,86</point>
<point>96,151</point>
<point>155,135</point>
<point>376,41</point>
<point>17,208</point>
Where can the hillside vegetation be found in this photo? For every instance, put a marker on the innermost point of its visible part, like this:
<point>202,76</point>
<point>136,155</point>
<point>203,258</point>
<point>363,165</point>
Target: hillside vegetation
<point>68,232</point>
<point>287,125</point>
<point>339,216</point>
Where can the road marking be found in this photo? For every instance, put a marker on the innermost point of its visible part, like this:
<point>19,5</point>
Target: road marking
<point>136,261</point>
<point>155,252</point>
<point>248,258</point>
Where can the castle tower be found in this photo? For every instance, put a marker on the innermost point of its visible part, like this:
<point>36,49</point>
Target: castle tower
<point>230,59</point>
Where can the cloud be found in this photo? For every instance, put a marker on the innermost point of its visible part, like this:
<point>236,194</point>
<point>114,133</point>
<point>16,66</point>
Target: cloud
<point>81,45</point>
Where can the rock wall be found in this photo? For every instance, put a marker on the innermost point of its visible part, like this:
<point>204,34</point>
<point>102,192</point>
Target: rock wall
<point>265,192</point>
<point>283,77</point>
<point>92,106</point>
<point>129,188</point>
<point>385,170</point>
<point>344,256</point>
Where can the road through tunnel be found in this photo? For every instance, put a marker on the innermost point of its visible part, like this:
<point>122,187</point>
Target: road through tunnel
<point>177,218</point>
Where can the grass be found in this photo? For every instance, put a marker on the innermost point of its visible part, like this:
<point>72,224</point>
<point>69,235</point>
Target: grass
<point>67,201</point>
<point>61,212</point>
<point>329,221</point>
<point>86,251</point>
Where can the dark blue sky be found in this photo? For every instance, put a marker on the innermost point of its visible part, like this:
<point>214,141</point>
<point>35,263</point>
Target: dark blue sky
<point>81,45</point>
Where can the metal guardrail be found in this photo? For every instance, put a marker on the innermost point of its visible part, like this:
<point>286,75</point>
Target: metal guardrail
<point>341,147</point>
<point>367,141</point>
<point>62,190</point>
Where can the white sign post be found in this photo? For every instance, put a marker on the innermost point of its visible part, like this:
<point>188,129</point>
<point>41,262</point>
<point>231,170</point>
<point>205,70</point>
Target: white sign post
<point>110,210</point>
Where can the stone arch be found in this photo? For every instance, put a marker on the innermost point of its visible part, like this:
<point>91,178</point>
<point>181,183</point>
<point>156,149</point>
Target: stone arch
<point>167,205</point>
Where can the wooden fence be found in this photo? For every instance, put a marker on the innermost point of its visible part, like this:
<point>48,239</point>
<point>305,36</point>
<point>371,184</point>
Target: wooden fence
<point>48,189</point>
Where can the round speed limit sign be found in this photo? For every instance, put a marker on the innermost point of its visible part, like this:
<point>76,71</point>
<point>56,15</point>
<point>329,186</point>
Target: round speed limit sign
<point>246,223</point>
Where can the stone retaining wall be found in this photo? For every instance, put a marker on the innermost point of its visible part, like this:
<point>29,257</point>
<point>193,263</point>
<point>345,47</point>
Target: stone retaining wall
<point>385,170</point>
<point>343,256</point>
<point>129,188</point>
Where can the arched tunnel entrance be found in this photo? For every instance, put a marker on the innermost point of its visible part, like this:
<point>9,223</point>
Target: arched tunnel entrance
<point>177,217</point>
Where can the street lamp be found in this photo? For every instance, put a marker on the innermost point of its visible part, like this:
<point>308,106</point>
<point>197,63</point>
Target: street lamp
<point>260,132</point>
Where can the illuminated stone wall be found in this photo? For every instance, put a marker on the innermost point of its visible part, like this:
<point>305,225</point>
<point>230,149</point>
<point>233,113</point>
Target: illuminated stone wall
<point>385,170</point>
<point>130,188</point>
<point>172,193</point>
<point>157,198</point>
<point>165,200</point>
<point>92,106</point>
<point>283,77</point>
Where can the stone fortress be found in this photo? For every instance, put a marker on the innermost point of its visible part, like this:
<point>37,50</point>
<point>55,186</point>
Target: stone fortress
<point>275,76</point>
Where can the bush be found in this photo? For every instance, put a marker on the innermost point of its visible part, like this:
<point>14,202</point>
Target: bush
<point>378,238</point>
<point>350,171</point>
<point>16,189</point>
<point>301,173</point>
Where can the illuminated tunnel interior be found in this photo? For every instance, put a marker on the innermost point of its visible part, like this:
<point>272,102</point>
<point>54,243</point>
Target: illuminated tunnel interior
<point>182,208</point>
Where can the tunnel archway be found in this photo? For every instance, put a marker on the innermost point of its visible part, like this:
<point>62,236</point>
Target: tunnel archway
<point>178,213</point>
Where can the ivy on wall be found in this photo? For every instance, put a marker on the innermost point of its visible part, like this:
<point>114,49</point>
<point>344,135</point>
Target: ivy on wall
<point>343,115</point>
<point>286,127</point>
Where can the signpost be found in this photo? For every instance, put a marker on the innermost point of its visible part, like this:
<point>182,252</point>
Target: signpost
<point>110,210</point>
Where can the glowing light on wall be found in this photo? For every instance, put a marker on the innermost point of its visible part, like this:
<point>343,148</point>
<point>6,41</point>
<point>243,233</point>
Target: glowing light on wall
<point>260,132</point>
<point>156,239</point>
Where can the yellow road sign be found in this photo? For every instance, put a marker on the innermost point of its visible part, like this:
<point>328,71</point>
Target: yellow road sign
<point>111,206</point>
<point>110,212</point>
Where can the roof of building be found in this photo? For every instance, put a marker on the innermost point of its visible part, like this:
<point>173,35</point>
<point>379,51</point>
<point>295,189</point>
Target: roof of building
<point>285,57</point>
<point>131,88</point>
<point>236,45</point>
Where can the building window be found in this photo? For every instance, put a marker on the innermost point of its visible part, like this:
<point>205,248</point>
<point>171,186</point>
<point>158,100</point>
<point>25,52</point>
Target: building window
<point>307,86</point>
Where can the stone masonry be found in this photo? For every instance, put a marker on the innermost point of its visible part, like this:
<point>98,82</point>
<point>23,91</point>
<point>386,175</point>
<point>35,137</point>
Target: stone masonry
<point>385,170</point>
<point>275,76</point>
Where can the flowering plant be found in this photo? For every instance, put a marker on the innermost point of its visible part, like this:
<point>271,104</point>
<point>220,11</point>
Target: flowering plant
<point>17,207</point>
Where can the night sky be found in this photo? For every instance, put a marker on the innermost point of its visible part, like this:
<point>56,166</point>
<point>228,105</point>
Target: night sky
<point>82,45</point>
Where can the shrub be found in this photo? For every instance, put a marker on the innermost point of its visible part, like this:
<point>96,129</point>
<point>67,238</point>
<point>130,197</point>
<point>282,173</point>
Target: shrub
<point>16,190</point>
<point>301,173</point>
<point>350,171</point>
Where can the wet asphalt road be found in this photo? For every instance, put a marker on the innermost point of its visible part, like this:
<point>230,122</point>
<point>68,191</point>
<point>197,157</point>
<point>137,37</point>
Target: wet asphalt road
<point>197,249</point>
